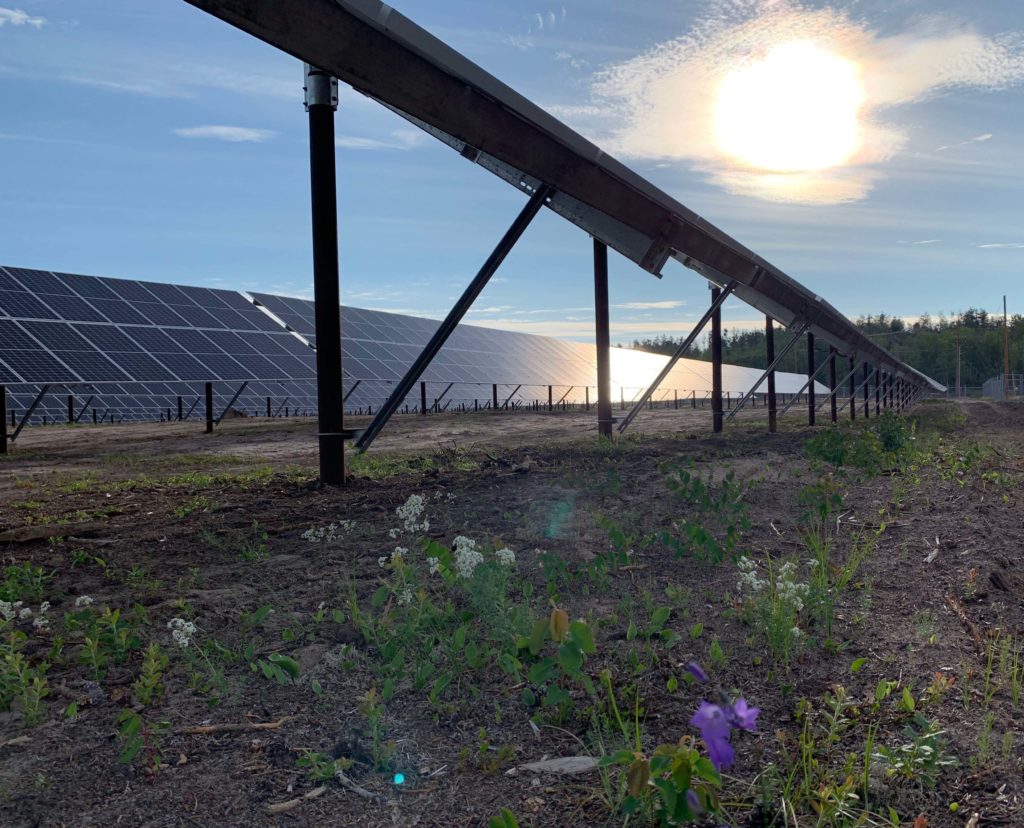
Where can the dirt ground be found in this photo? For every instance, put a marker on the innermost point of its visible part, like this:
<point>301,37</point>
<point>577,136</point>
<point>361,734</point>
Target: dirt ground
<point>921,663</point>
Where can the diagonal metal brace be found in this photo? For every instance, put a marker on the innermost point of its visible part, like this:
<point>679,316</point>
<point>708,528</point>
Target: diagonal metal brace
<point>803,388</point>
<point>803,326</point>
<point>85,407</point>
<point>682,349</point>
<point>31,408</point>
<point>842,383</point>
<point>853,397</point>
<point>231,402</point>
<point>483,276</point>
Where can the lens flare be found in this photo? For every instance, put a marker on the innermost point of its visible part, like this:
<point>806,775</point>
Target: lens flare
<point>794,111</point>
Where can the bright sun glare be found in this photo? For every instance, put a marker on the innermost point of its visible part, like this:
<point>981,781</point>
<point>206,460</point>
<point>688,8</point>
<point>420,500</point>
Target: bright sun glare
<point>796,110</point>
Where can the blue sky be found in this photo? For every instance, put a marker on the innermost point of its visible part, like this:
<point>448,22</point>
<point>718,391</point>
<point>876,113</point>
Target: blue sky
<point>149,140</point>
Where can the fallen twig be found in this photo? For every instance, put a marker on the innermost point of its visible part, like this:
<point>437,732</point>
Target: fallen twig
<point>352,786</point>
<point>292,804</point>
<point>232,727</point>
<point>961,613</point>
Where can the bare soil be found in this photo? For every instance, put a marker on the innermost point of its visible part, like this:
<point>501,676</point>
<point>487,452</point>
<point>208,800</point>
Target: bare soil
<point>162,521</point>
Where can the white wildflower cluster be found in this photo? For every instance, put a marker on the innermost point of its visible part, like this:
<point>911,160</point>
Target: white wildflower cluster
<point>748,583</point>
<point>405,596</point>
<point>396,559</point>
<point>467,557</point>
<point>328,533</point>
<point>788,589</point>
<point>17,611</point>
<point>446,496</point>
<point>434,564</point>
<point>82,601</point>
<point>409,513</point>
<point>181,631</point>
<point>506,557</point>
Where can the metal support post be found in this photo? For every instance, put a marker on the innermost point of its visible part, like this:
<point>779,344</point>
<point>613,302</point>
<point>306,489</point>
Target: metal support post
<point>494,396</point>
<point>853,390</point>
<point>510,396</point>
<point>444,393</point>
<point>769,372</point>
<point>716,360</point>
<point>268,407</point>
<point>512,235</point>
<point>85,407</point>
<point>180,409</point>
<point>71,409</point>
<point>602,340</point>
<point>423,399</point>
<point>867,376</point>
<point>863,384</point>
<point>551,404</point>
<point>321,102</point>
<point>209,407</point>
<point>718,297</point>
<point>794,397</point>
<point>832,382</point>
<point>810,385</point>
<point>3,419</point>
<point>878,397</point>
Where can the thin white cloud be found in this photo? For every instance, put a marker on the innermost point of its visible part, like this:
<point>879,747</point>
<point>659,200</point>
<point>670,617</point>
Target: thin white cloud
<point>400,139</point>
<point>661,105</point>
<point>1001,246</point>
<point>977,139</point>
<point>666,304</point>
<point>17,17</point>
<point>922,241</point>
<point>231,134</point>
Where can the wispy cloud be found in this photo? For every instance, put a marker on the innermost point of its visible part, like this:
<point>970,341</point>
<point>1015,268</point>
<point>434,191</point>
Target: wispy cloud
<point>663,305</point>
<point>977,139</point>
<point>922,241</point>
<point>17,17</point>
<point>662,105</point>
<point>231,134</point>
<point>1001,246</point>
<point>399,139</point>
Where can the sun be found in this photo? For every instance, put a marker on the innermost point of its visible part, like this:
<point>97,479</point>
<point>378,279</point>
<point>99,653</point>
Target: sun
<point>796,110</point>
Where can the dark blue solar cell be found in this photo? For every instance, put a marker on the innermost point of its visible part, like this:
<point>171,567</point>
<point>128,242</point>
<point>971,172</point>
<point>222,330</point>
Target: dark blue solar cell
<point>91,287</point>
<point>195,315</point>
<point>57,336</point>
<point>90,364</point>
<point>24,305</point>
<point>170,294</point>
<point>12,335</point>
<point>158,314</point>
<point>186,367</point>
<point>73,308</point>
<point>141,366</point>
<point>38,366</point>
<point>6,374</point>
<point>121,312</point>
<point>130,290</point>
<point>107,338</point>
<point>153,340</point>
<point>39,281</point>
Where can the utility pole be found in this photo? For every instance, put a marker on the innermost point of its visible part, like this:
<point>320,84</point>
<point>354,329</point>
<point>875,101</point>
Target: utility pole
<point>1006,354</point>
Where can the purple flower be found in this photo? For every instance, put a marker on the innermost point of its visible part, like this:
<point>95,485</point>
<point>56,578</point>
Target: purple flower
<point>743,715</point>
<point>694,669</point>
<point>694,802</point>
<point>714,730</point>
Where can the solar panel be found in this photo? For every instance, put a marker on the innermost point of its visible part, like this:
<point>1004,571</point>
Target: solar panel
<point>133,348</point>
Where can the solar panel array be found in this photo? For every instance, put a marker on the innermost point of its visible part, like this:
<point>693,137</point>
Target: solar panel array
<point>129,349</point>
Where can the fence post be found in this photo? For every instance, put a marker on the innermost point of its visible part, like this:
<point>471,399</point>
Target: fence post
<point>3,419</point>
<point>209,408</point>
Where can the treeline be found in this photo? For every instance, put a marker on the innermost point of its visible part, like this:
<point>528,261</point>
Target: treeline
<point>929,344</point>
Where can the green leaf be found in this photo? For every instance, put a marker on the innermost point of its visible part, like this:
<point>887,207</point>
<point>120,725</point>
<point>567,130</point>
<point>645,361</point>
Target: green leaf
<point>71,710</point>
<point>528,698</point>
<point>388,691</point>
<point>337,616</point>
<point>379,597</point>
<point>631,631</point>
<point>581,635</point>
<point>459,639</point>
<point>855,667</point>
<point>696,630</point>
<point>658,619</point>
<point>316,687</point>
<point>672,684</point>
<point>286,663</point>
<point>542,672</point>
<point>538,635</point>
<point>907,702</point>
<point>570,657</point>
<point>257,617</point>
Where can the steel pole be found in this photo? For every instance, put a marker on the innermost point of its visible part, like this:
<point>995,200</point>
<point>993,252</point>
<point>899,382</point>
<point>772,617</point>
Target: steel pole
<point>602,340</point>
<point>853,389</point>
<point>832,382</point>
<point>321,102</point>
<point>769,358</point>
<point>810,374</point>
<point>716,360</point>
<point>3,419</point>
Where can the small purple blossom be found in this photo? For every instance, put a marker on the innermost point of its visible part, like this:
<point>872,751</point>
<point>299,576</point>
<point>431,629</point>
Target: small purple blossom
<point>695,670</point>
<point>694,801</point>
<point>716,722</point>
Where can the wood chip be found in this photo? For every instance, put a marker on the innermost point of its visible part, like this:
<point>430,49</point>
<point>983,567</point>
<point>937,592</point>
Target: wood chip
<point>232,727</point>
<point>571,765</point>
<point>292,804</point>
